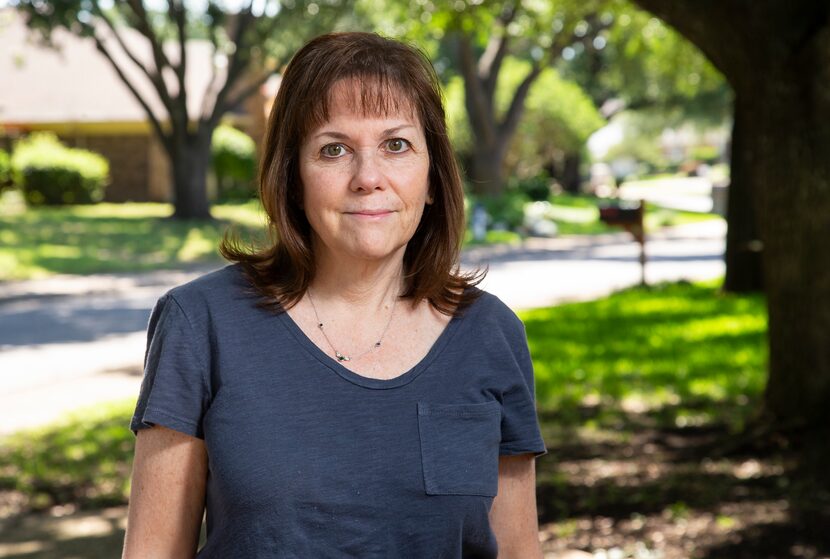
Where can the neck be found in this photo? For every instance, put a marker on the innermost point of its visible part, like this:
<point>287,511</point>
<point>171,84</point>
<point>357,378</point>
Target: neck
<point>367,283</point>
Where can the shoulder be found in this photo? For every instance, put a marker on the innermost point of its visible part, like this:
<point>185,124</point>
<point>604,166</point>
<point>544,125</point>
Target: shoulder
<point>492,313</point>
<point>215,285</point>
<point>213,292</point>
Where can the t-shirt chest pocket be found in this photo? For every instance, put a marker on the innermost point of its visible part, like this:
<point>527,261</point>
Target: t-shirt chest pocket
<point>460,448</point>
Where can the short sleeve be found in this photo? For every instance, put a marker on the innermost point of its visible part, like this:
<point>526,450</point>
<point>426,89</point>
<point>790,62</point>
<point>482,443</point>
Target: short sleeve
<point>174,392</point>
<point>520,433</point>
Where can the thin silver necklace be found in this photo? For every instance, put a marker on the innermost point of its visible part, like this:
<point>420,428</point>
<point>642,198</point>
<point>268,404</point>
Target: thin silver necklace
<point>341,357</point>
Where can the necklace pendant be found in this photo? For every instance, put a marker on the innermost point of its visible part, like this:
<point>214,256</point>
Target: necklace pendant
<point>341,357</point>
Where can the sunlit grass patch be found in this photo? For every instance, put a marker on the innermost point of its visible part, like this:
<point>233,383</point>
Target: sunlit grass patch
<point>128,237</point>
<point>661,346</point>
<point>578,215</point>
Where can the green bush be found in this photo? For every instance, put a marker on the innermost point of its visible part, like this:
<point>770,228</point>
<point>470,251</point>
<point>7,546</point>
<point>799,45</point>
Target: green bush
<point>234,163</point>
<point>5,170</point>
<point>49,173</point>
<point>505,210</point>
<point>536,189</point>
<point>706,154</point>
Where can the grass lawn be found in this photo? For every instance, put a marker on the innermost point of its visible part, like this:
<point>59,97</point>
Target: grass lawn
<point>578,215</point>
<point>112,238</point>
<point>680,346</point>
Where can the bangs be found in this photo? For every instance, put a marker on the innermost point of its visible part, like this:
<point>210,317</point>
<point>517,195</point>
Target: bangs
<point>369,95</point>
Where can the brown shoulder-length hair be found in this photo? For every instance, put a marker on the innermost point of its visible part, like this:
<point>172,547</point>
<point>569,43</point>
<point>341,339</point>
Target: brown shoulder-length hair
<point>389,76</point>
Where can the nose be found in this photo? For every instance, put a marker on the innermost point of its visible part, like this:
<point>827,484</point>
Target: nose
<point>367,174</point>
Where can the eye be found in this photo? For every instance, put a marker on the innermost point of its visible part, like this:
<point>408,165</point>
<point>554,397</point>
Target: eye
<point>397,145</point>
<point>333,150</point>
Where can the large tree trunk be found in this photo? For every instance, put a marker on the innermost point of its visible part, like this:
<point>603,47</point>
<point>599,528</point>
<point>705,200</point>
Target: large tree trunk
<point>189,164</point>
<point>486,172</point>
<point>492,132</point>
<point>775,56</point>
<point>743,247</point>
<point>788,139</point>
<point>571,180</point>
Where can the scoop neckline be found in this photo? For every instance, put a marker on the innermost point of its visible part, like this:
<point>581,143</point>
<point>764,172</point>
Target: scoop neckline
<point>368,382</point>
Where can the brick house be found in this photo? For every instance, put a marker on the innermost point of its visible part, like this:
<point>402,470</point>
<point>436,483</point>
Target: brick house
<point>75,93</point>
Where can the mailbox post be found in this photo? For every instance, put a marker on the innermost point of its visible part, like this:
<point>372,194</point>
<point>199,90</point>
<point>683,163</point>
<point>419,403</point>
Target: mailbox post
<point>629,216</point>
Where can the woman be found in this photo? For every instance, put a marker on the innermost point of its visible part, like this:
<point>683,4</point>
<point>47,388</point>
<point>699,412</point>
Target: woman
<point>344,392</point>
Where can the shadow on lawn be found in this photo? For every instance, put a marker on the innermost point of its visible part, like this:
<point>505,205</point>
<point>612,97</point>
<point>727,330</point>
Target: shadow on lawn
<point>634,482</point>
<point>43,536</point>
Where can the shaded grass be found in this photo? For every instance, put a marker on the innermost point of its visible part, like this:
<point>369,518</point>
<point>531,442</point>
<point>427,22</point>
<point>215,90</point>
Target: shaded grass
<point>85,459</point>
<point>113,238</point>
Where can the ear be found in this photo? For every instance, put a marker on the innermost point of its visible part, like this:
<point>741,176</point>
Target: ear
<point>430,197</point>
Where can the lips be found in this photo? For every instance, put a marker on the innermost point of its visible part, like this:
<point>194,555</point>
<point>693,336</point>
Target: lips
<point>370,213</point>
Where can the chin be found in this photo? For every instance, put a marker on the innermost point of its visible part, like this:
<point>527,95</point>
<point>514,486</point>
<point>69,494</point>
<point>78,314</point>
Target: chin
<point>377,252</point>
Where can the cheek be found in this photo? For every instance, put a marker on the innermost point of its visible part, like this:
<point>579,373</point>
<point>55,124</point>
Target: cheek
<point>317,189</point>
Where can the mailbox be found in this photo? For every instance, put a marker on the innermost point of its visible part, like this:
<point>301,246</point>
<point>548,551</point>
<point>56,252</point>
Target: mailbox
<point>628,214</point>
<point>621,212</point>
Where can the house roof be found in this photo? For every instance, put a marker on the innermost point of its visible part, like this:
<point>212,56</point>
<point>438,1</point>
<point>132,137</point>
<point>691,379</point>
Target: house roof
<point>78,85</point>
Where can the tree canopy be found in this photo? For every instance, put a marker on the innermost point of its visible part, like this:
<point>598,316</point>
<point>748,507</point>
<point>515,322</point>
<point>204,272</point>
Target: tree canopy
<point>249,44</point>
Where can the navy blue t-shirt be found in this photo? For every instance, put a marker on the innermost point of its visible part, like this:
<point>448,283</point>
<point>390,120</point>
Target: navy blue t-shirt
<point>307,459</point>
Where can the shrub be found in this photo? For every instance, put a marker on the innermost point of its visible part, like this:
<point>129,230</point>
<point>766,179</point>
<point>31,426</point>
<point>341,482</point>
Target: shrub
<point>49,173</point>
<point>537,188</point>
<point>234,163</point>
<point>5,170</point>
<point>706,154</point>
<point>506,210</point>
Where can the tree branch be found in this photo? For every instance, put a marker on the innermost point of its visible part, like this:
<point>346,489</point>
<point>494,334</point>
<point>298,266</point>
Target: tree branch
<point>514,113</point>
<point>178,111</point>
<point>154,78</point>
<point>238,61</point>
<point>210,89</point>
<point>177,13</point>
<point>478,108</point>
<point>246,91</point>
<point>154,121</point>
<point>144,27</point>
<point>490,62</point>
<point>693,19</point>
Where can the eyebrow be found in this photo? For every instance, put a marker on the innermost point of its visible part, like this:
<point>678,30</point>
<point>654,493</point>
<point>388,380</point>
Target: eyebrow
<point>341,136</point>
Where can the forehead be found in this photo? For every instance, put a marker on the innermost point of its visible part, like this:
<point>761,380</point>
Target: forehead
<point>371,99</point>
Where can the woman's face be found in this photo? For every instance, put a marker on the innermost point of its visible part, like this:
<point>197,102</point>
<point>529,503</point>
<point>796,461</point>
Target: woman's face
<point>365,180</point>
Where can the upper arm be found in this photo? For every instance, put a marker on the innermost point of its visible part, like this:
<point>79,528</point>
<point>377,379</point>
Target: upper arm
<point>167,496</point>
<point>513,514</point>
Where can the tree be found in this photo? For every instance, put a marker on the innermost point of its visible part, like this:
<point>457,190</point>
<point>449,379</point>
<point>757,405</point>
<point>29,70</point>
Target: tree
<point>775,56</point>
<point>557,121</point>
<point>559,118</point>
<point>646,66</point>
<point>477,37</point>
<point>248,46</point>
<point>649,68</point>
